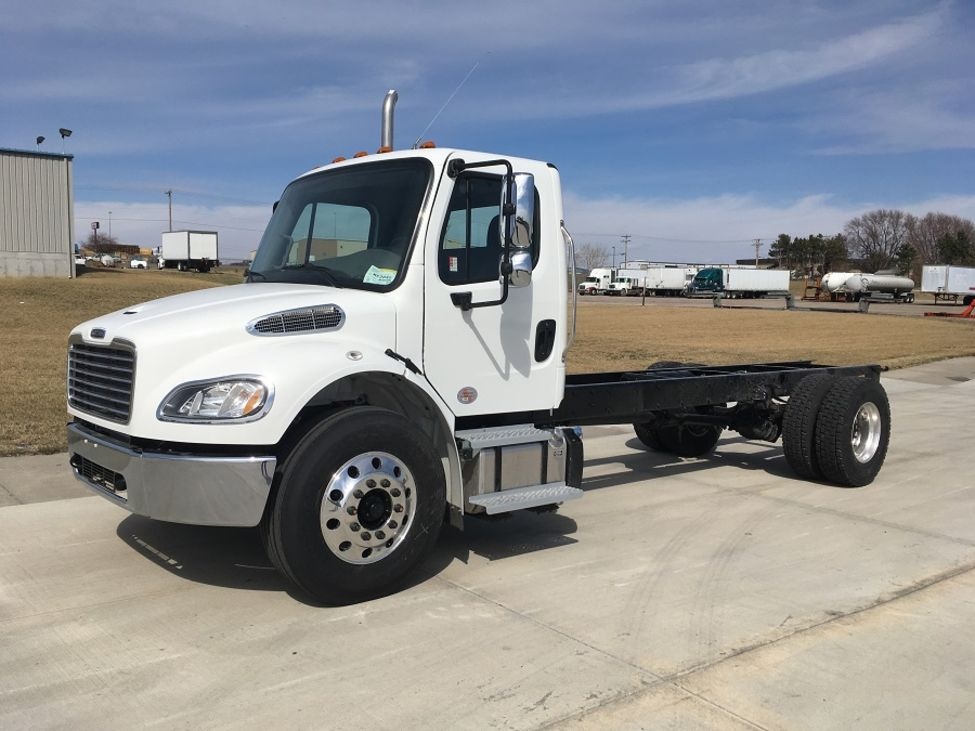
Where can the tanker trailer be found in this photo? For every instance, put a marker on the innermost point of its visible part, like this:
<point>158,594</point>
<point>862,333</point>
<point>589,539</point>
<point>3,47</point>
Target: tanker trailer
<point>857,285</point>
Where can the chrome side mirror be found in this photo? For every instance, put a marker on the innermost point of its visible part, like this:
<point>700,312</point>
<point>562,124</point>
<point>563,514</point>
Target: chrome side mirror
<point>521,268</point>
<point>519,212</point>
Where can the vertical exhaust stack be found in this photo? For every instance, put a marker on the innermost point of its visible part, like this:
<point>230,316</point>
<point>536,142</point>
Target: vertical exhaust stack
<point>386,135</point>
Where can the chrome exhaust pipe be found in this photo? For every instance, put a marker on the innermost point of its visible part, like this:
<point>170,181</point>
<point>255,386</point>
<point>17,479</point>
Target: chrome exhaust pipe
<point>386,135</point>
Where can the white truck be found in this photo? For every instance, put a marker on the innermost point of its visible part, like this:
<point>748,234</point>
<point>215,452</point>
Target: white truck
<point>739,282</point>
<point>349,403</point>
<point>948,283</point>
<point>628,282</point>
<point>185,250</point>
<point>598,281</point>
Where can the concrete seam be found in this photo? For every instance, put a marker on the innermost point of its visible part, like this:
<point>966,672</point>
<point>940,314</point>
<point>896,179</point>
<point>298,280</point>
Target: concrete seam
<point>6,491</point>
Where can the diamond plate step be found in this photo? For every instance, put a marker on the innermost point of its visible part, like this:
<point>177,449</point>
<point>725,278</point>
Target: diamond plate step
<point>503,436</point>
<point>525,497</point>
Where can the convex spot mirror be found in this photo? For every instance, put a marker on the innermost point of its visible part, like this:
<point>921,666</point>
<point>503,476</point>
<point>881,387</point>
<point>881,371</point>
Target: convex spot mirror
<point>518,206</point>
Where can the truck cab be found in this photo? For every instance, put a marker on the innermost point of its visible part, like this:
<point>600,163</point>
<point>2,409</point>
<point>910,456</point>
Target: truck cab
<point>397,304</point>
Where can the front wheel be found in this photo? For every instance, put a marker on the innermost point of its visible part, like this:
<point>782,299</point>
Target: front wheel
<point>359,502</point>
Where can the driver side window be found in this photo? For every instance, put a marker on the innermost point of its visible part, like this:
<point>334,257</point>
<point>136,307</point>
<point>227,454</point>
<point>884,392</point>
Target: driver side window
<point>470,247</point>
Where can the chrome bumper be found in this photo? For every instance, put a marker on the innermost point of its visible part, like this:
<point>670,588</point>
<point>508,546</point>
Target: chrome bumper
<point>227,491</point>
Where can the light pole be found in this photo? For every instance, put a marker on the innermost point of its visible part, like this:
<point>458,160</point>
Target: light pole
<point>109,224</point>
<point>170,194</point>
<point>38,141</point>
<point>614,257</point>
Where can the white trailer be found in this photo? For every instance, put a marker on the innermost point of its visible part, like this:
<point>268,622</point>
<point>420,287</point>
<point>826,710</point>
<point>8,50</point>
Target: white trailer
<point>598,281</point>
<point>739,282</point>
<point>184,250</point>
<point>948,283</point>
<point>669,281</point>
<point>858,285</point>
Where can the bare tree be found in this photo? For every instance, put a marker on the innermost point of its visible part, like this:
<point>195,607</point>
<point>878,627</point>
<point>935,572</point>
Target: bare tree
<point>877,236</point>
<point>591,256</point>
<point>929,234</point>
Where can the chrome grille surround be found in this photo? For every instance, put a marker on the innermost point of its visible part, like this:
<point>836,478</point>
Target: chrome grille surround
<point>298,321</point>
<point>101,378</point>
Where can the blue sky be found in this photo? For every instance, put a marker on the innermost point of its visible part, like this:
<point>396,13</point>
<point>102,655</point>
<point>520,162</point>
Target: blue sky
<point>694,126</point>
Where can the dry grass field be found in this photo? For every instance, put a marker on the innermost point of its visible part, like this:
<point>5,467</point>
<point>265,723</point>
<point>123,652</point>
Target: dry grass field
<point>39,313</point>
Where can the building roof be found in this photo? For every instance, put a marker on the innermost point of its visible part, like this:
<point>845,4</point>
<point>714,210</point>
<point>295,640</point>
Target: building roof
<point>35,153</point>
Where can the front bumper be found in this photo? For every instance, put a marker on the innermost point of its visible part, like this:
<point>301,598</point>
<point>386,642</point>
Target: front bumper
<point>181,488</point>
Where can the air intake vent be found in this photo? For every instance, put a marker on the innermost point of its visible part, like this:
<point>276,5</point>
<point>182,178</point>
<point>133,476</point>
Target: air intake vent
<point>100,380</point>
<point>304,320</point>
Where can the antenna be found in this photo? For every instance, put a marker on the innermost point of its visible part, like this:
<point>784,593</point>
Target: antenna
<point>449,99</point>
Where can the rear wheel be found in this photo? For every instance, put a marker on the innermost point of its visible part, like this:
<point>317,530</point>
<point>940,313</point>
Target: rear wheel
<point>853,431</point>
<point>684,440</point>
<point>360,500</point>
<point>799,424</point>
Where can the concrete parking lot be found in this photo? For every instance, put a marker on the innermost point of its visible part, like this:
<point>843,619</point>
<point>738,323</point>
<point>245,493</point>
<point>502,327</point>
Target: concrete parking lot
<point>712,593</point>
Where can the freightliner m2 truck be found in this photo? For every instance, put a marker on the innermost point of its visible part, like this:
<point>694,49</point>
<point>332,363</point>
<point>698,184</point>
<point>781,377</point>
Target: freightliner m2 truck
<point>396,360</point>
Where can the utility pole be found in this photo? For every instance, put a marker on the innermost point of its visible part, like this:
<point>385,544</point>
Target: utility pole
<point>626,248</point>
<point>170,194</point>
<point>614,257</point>
<point>109,224</point>
<point>758,243</point>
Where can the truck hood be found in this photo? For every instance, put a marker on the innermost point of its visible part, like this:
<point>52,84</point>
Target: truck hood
<point>214,317</point>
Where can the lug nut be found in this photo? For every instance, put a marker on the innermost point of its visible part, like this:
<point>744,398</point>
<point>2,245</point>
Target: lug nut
<point>392,525</point>
<point>358,494</point>
<point>384,483</point>
<point>398,508</point>
<point>353,527</point>
<point>395,492</point>
<point>365,535</point>
<point>351,510</point>
<point>380,535</point>
<point>335,496</point>
<point>370,483</point>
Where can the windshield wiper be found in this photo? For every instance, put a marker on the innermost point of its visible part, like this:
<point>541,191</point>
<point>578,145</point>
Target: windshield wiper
<point>330,278</point>
<point>251,274</point>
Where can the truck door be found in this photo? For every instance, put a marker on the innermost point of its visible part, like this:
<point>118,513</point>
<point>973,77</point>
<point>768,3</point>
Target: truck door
<point>499,358</point>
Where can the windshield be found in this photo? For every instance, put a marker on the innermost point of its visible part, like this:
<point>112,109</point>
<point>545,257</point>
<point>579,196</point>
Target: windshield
<point>348,227</point>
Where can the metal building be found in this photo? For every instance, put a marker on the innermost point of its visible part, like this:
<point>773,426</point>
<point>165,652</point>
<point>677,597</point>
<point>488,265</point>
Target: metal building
<point>36,214</point>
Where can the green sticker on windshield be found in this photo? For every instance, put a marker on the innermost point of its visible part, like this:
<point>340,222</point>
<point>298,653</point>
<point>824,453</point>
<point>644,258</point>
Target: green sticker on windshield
<point>375,275</point>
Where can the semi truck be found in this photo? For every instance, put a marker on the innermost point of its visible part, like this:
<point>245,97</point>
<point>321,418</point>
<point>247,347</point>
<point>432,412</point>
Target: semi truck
<point>185,250</point>
<point>598,281</point>
<point>351,404</point>
<point>652,281</point>
<point>739,282</point>
<point>949,283</point>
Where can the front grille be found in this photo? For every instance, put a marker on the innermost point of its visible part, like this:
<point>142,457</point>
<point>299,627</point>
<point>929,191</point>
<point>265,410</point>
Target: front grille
<point>308,319</point>
<point>99,476</point>
<point>100,380</point>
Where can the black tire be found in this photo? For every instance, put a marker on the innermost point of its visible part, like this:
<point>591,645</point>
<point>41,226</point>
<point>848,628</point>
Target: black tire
<point>687,440</point>
<point>968,299</point>
<point>352,455</point>
<point>799,424</point>
<point>650,436</point>
<point>853,431</point>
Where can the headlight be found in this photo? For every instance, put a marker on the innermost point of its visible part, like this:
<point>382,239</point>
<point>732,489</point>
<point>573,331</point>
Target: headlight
<point>235,398</point>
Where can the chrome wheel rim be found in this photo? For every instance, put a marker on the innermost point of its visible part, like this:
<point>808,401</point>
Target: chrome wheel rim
<point>368,508</point>
<point>866,432</point>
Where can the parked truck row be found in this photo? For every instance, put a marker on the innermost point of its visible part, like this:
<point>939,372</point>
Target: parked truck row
<point>351,400</point>
<point>686,281</point>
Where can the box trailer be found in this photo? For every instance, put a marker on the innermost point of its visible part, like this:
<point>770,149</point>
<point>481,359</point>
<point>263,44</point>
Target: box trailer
<point>184,250</point>
<point>669,281</point>
<point>351,405</point>
<point>949,283</point>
